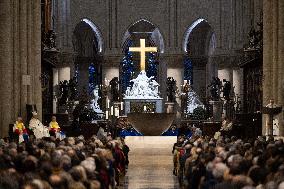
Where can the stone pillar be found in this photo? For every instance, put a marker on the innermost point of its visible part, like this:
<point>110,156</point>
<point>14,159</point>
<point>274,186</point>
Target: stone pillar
<point>20,59</point>
<point>172,66</point>
<point>36,52</point>
<point>17,64</point>
<point>280,89</point>
<point>237,81</point>
<point>55,83</point>
<point>273,49</point>
<point>64,74</point>
<point>23,55</point>
<point>164,62</point>
<point>30,69</point>
<point>6,62</point>
<point>225,74</point>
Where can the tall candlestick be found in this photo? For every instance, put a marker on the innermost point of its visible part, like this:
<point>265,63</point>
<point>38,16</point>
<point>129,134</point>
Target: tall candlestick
<point>106,114</point>
<point>107,103</point>
<point>116,112</point>
<point>111,110</point>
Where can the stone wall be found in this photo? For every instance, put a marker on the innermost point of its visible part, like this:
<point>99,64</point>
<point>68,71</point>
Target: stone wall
<point>230,20</point>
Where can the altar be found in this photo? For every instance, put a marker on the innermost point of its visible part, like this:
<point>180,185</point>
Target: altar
<point>143,105</point>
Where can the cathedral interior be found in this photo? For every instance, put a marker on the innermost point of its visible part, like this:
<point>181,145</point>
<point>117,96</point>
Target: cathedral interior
<point>49,46</point>
<point>163,71</point>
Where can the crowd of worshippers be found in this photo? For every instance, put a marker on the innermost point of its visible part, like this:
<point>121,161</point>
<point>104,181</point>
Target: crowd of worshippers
<point>229,163</point>
<point>71,163</point>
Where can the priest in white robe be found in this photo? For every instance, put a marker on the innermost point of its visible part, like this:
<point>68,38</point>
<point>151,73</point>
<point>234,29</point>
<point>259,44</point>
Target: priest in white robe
<point>38,128</point>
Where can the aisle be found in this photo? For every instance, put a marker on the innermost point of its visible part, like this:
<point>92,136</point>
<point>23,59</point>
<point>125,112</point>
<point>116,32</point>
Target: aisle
<point>150,163</point>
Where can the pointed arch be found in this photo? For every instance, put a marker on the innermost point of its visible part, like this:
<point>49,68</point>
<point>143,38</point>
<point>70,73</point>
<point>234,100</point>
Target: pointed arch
<point>190,29</point>
<point>97,33</point>
<point>144,26</point>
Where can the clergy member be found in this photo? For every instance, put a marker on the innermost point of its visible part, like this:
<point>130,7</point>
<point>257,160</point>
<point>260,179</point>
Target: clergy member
<point>20,130</point>
<point>38,128</point>
<point>53,126</point>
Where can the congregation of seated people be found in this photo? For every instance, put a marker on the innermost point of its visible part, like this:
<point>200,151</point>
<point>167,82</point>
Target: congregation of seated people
<point>229,163</point>
<point>71,163</point>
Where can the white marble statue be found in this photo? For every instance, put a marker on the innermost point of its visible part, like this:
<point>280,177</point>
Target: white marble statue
<point>94,102</point>
<point>193,101</point>
<point>143,88</point>
<point>38,128</point>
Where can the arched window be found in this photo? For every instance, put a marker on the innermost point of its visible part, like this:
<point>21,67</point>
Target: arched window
<point>130,64</point>
<point>88,45</point>
<point>197,47</point>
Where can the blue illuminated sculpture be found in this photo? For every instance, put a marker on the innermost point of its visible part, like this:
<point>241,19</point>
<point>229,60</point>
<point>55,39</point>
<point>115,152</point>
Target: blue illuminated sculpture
<point>188,69</point>
<point>92,77</point>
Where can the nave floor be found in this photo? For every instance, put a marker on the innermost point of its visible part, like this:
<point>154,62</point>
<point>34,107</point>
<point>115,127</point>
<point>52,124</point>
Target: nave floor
<point>151,163</point>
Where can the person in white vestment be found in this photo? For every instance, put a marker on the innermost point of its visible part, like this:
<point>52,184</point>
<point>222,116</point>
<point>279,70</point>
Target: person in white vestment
<point>38,128</point>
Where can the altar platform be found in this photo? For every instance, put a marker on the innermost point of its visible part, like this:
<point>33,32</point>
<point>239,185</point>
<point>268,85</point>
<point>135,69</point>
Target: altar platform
<point>151,124</point>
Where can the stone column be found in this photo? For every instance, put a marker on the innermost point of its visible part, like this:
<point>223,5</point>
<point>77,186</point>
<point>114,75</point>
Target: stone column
<point>55,83</point>
<point>274,54</point>
<point>237,81</point>
<point>36,52</point>
<point>273,49</point>
<point>225,74</point>
<point>164,62</point>
<point>23,55</point>
<point>280,89</point>
<point>17,64</point>
<point>20,59</point>
<point>6,62</point>
<point>210,71</point>
<point>64,74</point>
<point>30,70</point>
<point>267,51</point>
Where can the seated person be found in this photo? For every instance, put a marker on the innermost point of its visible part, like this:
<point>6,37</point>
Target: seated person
<point>53,126</point>
<point>20,130</point>
<point>37,127</point>
<point>172,131</point>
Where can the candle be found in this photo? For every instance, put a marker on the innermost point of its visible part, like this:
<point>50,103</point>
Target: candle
<point>107,103</point>
<point>116,112</point>
<point>111,110</point>
<point>121,106</point>
<point>106,114</point>
<point>145,109</point>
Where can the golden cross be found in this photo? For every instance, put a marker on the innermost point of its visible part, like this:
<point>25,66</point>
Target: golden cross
<point>142,49</point>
